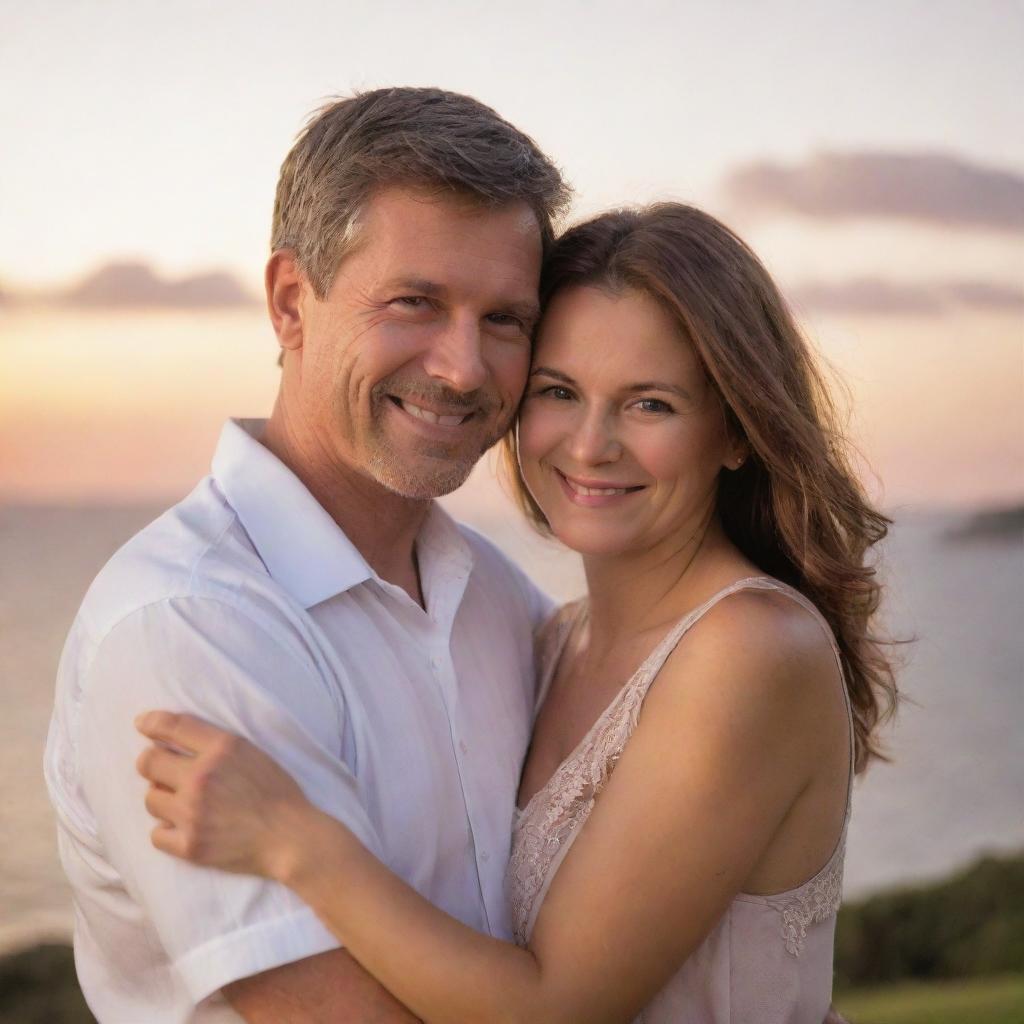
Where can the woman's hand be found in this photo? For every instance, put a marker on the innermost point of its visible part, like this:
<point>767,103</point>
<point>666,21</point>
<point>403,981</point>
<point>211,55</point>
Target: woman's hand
<point>220,800</point>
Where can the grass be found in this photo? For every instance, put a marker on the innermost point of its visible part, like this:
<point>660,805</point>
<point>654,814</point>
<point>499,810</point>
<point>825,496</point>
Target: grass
<point>998,1000</point>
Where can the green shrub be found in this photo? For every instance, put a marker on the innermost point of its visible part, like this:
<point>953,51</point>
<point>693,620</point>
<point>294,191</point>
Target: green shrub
<point>38,986</point>
<point>969,925</point>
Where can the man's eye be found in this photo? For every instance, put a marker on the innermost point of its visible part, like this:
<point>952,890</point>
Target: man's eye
<point>411,301</point>
<point>506,320</point>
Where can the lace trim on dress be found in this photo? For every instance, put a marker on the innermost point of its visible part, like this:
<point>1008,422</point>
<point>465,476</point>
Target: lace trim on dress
<point>546,827</point>
<point>814,901</point>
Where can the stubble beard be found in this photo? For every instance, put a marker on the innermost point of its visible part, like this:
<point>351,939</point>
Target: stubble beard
<point>434,470</point>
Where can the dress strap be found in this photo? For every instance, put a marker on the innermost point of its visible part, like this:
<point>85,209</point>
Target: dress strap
<point>659,655</point>
<point>650,669</point>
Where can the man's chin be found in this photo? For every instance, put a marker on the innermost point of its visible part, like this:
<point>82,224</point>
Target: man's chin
<point>419,482</point>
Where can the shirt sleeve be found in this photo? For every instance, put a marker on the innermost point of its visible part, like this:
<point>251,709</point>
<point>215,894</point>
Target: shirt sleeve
<point>255,677</point>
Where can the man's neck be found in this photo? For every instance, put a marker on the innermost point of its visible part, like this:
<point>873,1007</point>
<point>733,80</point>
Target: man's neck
<point>382,525</point>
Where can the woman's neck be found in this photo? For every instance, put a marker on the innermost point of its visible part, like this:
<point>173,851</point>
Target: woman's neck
<point>637,591</point>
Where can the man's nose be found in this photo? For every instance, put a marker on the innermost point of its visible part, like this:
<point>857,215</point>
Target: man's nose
<point>594,440</point>
<point>456,355</point>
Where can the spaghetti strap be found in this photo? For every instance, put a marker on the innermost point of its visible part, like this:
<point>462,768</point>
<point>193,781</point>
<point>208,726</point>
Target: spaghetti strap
<point>661,653</point>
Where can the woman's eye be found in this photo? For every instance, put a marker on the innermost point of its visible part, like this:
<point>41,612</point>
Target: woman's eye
<point>655,405</point>
<point>555,391</point>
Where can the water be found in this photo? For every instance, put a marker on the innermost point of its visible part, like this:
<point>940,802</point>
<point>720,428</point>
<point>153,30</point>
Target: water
<point>952,792</point>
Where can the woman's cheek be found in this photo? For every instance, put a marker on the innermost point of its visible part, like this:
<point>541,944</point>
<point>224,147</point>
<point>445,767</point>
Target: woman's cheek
<point>535,441</point>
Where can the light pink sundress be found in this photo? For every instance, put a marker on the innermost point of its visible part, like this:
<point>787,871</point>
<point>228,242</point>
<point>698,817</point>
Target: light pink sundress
<point>769,958</point>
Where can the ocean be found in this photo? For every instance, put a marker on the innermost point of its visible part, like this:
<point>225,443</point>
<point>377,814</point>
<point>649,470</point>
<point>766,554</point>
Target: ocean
<point>952,791</point>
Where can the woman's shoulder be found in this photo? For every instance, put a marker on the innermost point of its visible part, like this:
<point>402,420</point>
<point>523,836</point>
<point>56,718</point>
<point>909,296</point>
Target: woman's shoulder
<point>754,679</point>
<point>763,637</point>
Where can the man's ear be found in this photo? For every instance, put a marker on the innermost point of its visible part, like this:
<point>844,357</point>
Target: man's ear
<point>285,284</point>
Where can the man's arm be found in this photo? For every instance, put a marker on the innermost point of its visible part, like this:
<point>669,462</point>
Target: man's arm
<point>255,942</point>
<point>330,988</point>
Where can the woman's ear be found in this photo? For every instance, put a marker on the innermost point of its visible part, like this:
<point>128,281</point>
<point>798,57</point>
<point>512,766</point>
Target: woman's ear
<point>739,452</point>
<point>285,283</point>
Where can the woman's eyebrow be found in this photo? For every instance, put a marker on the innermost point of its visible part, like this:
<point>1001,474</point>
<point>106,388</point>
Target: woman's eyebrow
<point>546,371</point>
<point>659,385</point>
<point>645,385</point>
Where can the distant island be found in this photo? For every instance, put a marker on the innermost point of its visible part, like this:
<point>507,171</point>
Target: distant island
<point>1000,524</point>
<point>132,284</point>
<point>136,284</point>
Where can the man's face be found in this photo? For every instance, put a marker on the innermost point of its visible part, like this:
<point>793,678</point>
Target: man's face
<point>413,364</point>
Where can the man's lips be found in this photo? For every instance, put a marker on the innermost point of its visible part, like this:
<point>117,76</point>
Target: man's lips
<point>444,419</point>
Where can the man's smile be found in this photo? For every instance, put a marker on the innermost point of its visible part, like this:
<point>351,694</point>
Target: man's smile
<point>445,419</point>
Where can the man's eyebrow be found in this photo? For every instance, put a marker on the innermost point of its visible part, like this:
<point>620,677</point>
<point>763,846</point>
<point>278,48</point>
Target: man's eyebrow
<point>526,310</point>
<point>420,285</point>
<point>529,312</point>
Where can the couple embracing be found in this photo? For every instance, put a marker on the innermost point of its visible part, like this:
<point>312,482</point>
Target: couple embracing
<point>429,793</point>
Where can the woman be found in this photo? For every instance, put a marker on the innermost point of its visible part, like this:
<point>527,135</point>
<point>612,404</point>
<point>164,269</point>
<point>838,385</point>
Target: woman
<point>678,853</point>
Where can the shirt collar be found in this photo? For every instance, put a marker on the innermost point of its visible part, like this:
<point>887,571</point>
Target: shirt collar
<point>302,547</point>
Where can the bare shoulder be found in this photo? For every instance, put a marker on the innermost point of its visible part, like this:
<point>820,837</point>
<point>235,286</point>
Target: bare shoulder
<point>760,648</point>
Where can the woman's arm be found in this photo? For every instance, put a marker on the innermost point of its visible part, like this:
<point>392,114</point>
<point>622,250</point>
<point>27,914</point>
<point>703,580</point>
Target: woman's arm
<point>729,737</point>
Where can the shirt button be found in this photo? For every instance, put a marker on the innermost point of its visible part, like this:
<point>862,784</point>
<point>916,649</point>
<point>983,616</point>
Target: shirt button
<point>485,856</point>
<point>463,747</point>
<point>435,663</point>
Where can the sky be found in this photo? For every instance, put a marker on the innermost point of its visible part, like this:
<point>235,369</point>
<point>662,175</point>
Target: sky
<point>871,153</point>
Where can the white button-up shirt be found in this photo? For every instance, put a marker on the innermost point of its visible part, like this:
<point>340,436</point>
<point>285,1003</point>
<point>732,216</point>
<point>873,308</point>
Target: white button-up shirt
<point>246,605</point>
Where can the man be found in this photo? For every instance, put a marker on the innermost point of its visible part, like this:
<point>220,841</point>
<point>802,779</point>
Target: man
<point>311,596</point>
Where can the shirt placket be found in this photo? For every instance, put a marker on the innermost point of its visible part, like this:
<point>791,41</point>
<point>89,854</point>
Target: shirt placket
<point>442,669</point>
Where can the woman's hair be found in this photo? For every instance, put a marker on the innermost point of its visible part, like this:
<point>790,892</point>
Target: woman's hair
<point>795,508</point>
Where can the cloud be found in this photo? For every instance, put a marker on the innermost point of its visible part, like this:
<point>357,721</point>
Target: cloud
<point>875,297</point>
<point>932,188</point>
<point>136,285</point>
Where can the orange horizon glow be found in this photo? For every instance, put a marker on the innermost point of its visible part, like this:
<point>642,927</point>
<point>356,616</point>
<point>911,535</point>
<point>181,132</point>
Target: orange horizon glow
<point>127,407</point>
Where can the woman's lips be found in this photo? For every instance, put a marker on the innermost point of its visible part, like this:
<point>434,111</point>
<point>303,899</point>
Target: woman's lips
<point>594,493</point>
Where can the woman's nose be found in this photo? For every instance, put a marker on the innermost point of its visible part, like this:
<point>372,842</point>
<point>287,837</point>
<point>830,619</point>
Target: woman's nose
<point>595,440</point>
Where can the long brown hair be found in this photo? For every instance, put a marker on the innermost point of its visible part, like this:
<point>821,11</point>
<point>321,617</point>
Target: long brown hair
<point>795,508</point>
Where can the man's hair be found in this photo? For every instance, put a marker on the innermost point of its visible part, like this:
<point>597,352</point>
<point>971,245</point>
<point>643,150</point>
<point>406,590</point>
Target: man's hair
<point>429,139</point>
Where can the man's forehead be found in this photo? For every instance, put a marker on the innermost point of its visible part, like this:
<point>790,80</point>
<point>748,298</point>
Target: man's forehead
<point>410,211</point>
<point>433,243</point>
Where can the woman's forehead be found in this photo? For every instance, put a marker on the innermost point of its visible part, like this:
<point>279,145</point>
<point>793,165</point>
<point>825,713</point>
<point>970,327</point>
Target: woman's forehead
<point>588,326</point>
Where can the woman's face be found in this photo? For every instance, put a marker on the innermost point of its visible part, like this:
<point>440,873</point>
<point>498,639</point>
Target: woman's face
<point>621,436</point>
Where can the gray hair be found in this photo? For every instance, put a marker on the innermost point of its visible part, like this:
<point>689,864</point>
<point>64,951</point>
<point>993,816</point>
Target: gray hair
<point>440,141</point>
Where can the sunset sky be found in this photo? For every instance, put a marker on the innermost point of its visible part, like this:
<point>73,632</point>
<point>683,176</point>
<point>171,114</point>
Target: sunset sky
<point>871,153</point>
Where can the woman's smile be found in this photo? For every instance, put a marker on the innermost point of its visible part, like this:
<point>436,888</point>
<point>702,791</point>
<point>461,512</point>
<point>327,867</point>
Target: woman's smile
<point>590,493</point>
